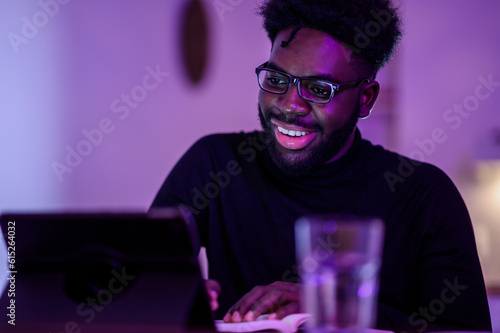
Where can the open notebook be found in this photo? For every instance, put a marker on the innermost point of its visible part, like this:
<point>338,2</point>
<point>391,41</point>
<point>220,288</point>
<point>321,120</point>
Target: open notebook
<point>289,324</point>
<point>109,272</point>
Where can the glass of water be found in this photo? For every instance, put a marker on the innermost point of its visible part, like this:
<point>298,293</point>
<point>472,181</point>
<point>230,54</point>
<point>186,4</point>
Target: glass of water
<point>339,258</point>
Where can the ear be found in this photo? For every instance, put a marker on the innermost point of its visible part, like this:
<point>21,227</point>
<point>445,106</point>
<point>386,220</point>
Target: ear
<point>368,98</point>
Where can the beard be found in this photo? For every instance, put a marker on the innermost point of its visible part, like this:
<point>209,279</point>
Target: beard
<point>318,155</point>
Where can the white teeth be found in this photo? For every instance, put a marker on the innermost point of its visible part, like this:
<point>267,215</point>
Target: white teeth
<point>291,133</point>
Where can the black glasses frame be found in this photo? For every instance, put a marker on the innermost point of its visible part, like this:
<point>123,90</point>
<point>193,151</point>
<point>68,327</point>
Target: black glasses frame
<point>335,87</point>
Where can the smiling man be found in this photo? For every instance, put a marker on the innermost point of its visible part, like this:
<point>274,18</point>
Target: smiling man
<point>307,126</point>
<point>246,190</point>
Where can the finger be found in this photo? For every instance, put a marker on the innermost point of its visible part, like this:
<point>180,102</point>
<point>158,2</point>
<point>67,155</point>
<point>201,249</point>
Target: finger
<point>240,308</point>
<point>212,285</point>
<point>264,299</point>
<point>270,301</point>
<point>281,300</point>
<point>267,302</point>
<point>213,298</point>
<point>293,307</point>
<point>213,289</point>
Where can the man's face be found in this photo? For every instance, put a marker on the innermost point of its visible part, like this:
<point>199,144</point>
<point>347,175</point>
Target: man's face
<point>329,127</point>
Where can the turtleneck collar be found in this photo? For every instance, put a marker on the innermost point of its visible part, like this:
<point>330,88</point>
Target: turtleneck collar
<point>336,171</point>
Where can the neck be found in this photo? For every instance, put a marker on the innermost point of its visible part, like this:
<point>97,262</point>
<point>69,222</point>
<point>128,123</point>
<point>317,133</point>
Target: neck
<point>345,148</point>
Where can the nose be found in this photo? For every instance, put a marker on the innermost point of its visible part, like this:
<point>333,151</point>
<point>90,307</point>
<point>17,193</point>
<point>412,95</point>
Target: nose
<point>290,103</point>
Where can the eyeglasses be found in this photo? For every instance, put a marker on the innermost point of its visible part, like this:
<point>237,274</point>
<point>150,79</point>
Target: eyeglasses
<point>312,90</point>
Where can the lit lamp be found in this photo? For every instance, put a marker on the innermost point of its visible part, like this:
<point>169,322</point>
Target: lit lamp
<point>483,201</point>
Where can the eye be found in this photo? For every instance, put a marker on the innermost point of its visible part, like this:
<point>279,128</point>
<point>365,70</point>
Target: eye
<point>276,80</point>
<point>319,89</point>
<point>272,79</point>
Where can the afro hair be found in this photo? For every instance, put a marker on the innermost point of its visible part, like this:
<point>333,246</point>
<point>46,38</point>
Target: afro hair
<point>371,29</point>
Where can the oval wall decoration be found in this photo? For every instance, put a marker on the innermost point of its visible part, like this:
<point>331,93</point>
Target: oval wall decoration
<point>194,40</point>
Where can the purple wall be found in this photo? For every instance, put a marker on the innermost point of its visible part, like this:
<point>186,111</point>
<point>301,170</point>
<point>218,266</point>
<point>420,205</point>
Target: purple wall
<point>70,77</point>
<point>450,48</point>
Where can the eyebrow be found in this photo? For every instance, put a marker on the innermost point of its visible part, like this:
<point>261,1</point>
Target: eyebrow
<point>325,77</point>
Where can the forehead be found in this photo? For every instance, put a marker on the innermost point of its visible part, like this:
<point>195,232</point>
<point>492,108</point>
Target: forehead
<point>312,52</point>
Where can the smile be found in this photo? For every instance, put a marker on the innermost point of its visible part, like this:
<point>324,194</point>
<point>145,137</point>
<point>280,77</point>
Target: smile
<point>291,133</point>
<point>292,137</point>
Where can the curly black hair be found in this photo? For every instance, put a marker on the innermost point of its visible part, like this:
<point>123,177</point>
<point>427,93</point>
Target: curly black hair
<point>371,29</point>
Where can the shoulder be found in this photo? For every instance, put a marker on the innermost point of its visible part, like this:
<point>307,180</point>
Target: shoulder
<point>400,171</point>
<point>235,145</point>
<point>220,140</point>
<point>423,191</point>
<point>213,144</point>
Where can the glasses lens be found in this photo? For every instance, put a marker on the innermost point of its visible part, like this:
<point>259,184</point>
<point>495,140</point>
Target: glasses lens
<point>273,82</point>
<point>316,91</point>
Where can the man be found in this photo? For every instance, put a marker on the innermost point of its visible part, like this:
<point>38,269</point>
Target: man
<point>246,190</point>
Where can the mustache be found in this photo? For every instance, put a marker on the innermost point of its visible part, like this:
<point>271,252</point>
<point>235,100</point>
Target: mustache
<point>293,120</point>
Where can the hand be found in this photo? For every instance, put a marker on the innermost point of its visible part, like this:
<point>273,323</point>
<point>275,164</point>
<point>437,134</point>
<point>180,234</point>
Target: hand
<point>213,291</point>
<point>279,299</point>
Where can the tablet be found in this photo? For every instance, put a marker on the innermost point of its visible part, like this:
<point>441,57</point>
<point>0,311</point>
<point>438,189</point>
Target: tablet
<point>90,272</point>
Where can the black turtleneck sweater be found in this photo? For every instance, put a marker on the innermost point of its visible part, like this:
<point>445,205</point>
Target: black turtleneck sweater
<point>245,209</point>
